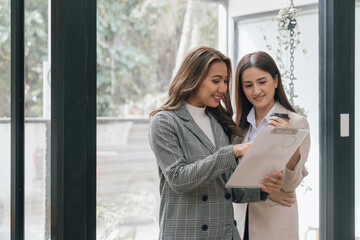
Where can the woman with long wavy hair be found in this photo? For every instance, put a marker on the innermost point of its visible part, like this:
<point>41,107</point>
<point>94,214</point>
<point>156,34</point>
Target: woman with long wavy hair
<point>190,137</point>
<point>258,94</point>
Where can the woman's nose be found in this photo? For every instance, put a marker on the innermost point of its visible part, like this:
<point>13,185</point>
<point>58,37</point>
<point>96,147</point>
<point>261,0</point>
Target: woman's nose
<point>256,90</point>
<point>222,87</point>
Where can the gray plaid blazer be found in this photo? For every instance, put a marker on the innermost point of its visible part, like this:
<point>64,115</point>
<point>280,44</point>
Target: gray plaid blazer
<point>194,201</point>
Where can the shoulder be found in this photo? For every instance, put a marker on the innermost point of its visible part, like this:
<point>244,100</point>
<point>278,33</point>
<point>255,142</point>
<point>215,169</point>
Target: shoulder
<point>162,117</point>
<point>163,114</point>
<point>298,121</point>
<point>167,118</point>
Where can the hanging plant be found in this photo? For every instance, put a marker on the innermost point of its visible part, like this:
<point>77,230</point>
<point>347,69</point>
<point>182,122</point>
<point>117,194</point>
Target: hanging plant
<point>287,40</point>
<point>286,21</point>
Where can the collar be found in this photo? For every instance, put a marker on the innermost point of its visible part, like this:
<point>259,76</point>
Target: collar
<point>183,113</point>
<point>195,111</point>
<point>251,116</point>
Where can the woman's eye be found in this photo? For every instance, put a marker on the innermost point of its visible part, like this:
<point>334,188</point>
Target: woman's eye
<point>247,86</point>
<point>263,82</point>
<point>215,81</point>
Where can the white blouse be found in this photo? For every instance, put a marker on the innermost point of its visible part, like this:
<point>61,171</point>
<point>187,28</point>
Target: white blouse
<point>202,120</point>
<point>264,123</point>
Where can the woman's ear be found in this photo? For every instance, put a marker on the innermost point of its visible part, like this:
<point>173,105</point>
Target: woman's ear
<point>276,80</point>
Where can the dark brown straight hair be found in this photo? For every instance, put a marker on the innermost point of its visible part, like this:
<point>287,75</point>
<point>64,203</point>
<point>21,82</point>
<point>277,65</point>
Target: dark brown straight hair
<point>191,73</point>
<point>263,61</point>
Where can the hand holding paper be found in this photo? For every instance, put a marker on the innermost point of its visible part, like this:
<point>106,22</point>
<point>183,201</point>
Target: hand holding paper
<point>273,184</point>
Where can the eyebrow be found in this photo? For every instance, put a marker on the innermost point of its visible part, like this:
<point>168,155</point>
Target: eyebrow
<point>219,76</point>
<point>255,80</point>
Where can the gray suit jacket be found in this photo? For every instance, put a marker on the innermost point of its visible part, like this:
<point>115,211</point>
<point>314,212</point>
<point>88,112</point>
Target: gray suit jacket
<point>194,201</point>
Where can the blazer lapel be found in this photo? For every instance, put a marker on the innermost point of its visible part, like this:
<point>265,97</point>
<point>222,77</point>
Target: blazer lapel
<point>279,109</point>
<point>219,133</point>
<point>183,113</point>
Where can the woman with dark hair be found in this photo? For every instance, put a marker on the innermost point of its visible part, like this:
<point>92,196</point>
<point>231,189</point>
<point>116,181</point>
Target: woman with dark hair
<point>190,137</point>
<point>258,94</point>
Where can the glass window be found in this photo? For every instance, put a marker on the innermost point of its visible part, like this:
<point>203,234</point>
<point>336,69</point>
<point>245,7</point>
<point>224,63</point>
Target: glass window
<point>261,33</point>
<point>139,46</point>
<point>357,122</point>
<point>37,121</point>
<point>5,57</point>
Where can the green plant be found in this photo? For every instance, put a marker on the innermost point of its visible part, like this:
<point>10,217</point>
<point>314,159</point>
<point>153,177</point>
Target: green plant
<point>287,39</point>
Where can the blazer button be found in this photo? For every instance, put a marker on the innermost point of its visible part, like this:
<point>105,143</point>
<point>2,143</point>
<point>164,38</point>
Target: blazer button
<point>204,227</point>
<point>205,198</point>
<point>228,196</point>
<point>235,223</point>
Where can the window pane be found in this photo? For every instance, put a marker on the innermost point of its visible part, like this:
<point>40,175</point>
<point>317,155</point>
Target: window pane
<point>357,122</point>
<point>37,121</point>
<point>260,33</point>
<point>138,46</point>
<point>5,119</point>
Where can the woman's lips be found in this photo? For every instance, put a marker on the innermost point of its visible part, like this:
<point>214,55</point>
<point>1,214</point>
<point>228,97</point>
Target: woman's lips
<point>217,98</point>
<point>258,99</point>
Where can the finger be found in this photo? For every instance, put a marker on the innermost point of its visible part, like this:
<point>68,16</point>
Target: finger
<point>279,175</point>
<point>274,180</point>
<point>279,119</point>
<point>274,188</point>
<point>290,200</point>
<point>288,194</point>
<point>276,119</point>
<point>269,183</point>
<point>291,195</point>
<point>278,122</point>
<point>271,186</point>
<point>286,204</point>
<point>273,123</point>
<point>269,190</point>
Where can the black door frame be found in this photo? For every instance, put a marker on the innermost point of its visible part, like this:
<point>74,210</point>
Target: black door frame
<point>73,119</point>
<point>17,119</point>
<point>337,96</point>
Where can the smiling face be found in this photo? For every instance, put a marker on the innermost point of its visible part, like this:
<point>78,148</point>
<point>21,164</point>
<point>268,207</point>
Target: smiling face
<point>212,88</point>
<point>259,88</point>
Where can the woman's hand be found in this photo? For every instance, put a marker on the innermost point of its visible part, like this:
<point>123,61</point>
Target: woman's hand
<point>284,198</point>
<point>274,183</point>
<point>279,122</point>
<point>283,122</point>
<point>240,149</point>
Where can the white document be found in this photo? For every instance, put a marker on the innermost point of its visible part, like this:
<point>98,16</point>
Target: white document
<point>270,151</point>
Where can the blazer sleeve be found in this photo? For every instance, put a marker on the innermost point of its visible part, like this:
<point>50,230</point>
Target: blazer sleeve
<point>182,175</point>
<point>244,195</point>
<point>292,179</point>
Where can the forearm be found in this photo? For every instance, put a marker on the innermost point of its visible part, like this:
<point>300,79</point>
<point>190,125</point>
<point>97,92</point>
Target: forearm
<point>184,178</point>
<point>294,160</point>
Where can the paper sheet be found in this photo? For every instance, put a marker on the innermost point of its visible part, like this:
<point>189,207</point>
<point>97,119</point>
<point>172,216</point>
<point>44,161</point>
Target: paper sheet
<point>270,151</point>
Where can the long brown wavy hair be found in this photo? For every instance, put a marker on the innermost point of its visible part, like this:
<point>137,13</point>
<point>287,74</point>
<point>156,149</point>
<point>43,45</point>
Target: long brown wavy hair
<point>263,61</point>
<point>191,73</point>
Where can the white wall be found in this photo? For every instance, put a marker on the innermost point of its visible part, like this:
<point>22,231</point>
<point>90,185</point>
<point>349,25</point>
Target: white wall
<point>238,8</point>
<point>244,7</point>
